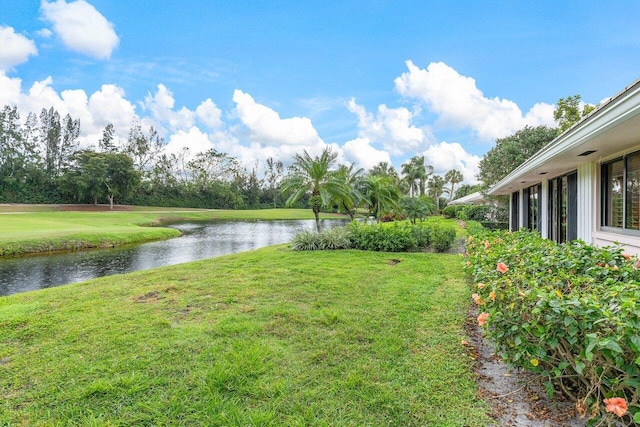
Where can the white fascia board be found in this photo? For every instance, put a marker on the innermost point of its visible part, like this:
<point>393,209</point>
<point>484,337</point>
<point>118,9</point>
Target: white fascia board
<point>616,111</point>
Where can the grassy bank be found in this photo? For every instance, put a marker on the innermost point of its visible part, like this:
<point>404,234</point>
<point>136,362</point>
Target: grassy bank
<point>268,337</point>
<point>38,231</point>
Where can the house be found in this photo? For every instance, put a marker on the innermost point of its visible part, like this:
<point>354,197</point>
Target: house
<point>585,184</point>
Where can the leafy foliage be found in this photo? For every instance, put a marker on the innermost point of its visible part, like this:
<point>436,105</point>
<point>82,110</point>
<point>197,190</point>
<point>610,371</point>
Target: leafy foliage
<point>442,238</point>
<point>306,241</point>
<point>314,177</point>
<point>418,207</point>
<point>511,151</point>
<point>402,237</point>
<point>568,111</point>
<point>567,312</point>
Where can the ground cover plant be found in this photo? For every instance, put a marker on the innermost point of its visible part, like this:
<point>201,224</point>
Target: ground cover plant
<point>569,312</point>
<point>269,337</point>
<point>42,231</point>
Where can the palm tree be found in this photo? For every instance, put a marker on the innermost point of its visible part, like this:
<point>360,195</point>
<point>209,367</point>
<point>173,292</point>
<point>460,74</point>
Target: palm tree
<point>313,175</point>
<point>418,207</point>
<point>383,169</point>
<point>436,188</point>
<point>454,176</point>
<point>381,193</point>
<point>410,176</point>
<point>350,197</point>
<point>416,175</point>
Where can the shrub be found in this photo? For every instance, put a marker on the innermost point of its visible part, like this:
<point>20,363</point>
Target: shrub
<point>449,211</point>
<point>306,241</point>
<point>335,238</point>
<point>569,312</point>
<point>442,238</point>
<point>383,238</point>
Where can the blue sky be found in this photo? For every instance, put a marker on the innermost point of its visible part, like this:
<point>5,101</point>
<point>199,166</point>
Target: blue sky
<point>376,80</point>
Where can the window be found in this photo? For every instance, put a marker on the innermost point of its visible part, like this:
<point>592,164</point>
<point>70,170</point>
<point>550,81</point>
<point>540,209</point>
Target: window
<point>515,211</point>
<point>532,207</point>
<point>563,208</point>
<point>621,193</point>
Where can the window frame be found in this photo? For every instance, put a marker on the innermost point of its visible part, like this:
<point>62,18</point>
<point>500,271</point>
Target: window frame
<point>605,203</point>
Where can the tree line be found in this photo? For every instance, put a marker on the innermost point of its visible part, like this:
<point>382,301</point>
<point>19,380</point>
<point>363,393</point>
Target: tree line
<point>41,162</point>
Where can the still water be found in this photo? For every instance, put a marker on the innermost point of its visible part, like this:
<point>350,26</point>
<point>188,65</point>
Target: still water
<point>198,241</point>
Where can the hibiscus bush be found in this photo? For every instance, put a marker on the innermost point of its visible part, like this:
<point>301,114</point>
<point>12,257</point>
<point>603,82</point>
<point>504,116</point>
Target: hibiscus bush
<point>568,312</point>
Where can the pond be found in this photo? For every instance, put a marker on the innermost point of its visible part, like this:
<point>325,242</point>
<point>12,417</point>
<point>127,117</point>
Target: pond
<point>199,241</point>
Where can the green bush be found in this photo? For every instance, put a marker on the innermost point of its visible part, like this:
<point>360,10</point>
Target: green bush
<point>569,312</point>
<point>384,238</point>
<point>442,237</point>
<point>450,211</point>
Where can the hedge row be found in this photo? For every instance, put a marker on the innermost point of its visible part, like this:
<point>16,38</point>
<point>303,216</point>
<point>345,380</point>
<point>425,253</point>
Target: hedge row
<point>569,312</point>
<point>392,237</point>
<point>492,217</point>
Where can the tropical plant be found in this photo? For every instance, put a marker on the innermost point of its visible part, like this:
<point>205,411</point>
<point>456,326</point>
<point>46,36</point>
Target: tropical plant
<point>313,176</point>
<point>416,173</point>
<point>383,169</point>
<point>566,312</point>
<point>453,177</point>
<point>418,207</point>
<point>381,193</point>
<point>436,187</point>
<point>350,197</point>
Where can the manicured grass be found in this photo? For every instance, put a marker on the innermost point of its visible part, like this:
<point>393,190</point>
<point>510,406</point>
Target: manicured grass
<point>22,233</point>
<point>269,337</point>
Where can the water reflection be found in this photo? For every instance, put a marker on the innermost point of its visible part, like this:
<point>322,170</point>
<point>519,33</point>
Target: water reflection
<point>199,241</point>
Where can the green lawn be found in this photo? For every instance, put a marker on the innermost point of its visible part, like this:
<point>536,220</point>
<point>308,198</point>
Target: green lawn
<point>38,231</point>
<point>269,337</point>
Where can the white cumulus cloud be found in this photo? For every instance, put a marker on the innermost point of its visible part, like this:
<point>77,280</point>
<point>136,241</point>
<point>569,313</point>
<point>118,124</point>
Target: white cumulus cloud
<point>360,152</point>
<point>161,107</point>
<point>459,103</point>
<point>266,127</point>
<point>209,114</point>
<point>14,48</point>
<point>390,127</point>
<point>81,27</point>
<point>445,156</point>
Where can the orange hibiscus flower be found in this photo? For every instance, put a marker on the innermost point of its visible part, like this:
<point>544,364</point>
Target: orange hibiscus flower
<point>617,405</point>
<point>482,318</point>
<point>502,267</point>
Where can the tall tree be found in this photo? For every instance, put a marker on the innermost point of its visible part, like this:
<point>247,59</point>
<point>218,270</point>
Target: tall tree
<point>436,186</point>
<point>273,176</point>
<point>568,111</point>
<point>95,175</point>
<point>511,151</point>
<point>107,142</point>
<point>313,176</point>
<point>50,132</point>
<point>68,142</point>
<point>383,169</point>
<point>143,148</point>
<point>211,166</point>
<point>12,156</point>
<point>416,173</point>
<point>453,177</point>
